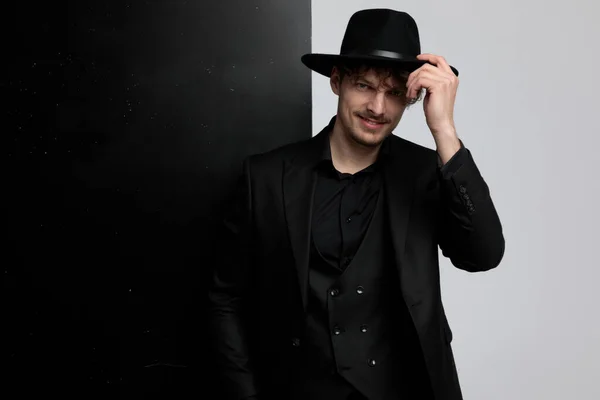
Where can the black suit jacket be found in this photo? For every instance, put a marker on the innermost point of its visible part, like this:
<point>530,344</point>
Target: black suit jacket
<point>258,290</point>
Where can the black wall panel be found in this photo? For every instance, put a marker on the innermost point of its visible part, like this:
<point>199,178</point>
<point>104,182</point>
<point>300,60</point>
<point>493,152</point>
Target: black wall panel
<point>126,123</point>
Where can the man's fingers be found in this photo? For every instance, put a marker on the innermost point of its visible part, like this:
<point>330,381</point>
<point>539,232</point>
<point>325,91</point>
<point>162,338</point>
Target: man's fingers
<point>436,60</point>
<point>425,80</point>
<point>431,69</point>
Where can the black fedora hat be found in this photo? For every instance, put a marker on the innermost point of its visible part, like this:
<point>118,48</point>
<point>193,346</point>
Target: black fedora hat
<point>377,35</point>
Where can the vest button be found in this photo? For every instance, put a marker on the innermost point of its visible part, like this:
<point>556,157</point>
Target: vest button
<point>360,289</point>
<point>372,362</point>
<point>334,292</point>
<point>364,328</point>
<point>337,330</point>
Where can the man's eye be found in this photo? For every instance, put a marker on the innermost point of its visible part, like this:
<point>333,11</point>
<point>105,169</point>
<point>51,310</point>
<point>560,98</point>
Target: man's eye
<point>362,86</point>
<point>397,93</point>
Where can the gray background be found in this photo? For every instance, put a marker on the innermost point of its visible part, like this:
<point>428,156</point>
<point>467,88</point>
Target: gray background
<point>527,110</point>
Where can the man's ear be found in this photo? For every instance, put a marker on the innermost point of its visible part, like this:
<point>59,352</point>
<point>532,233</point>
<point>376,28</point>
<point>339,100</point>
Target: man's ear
<point>335,80</point>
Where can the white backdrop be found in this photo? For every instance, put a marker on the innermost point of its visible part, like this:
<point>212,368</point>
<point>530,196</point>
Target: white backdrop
<point>527,109</point>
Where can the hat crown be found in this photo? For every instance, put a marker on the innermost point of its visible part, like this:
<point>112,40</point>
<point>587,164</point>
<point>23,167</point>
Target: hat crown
<point>381,29</point>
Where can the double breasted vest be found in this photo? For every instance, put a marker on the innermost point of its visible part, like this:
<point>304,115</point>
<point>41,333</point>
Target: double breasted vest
<point>357,324</point>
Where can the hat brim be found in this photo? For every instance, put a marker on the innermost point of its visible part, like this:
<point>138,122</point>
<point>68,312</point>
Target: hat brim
<point>323,63</point>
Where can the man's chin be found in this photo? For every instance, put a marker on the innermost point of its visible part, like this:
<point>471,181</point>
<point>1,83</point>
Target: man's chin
<point>369,139</point>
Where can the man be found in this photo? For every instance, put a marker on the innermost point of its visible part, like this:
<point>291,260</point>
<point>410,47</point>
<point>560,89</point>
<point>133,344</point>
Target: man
<point>330,289</point>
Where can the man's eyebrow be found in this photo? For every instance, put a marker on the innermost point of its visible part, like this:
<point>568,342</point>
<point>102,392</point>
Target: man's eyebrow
<point>383,84</point>
<point>392,87</point>
<point>362,78</point>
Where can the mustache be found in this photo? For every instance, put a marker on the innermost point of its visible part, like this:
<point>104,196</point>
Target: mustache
<point>381,120</point>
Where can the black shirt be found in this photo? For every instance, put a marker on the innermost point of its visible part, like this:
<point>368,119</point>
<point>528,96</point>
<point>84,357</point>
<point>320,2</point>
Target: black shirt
<point>343,206</point>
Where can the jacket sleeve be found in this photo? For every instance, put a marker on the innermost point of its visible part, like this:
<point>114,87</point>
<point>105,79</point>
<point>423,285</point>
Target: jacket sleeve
<point>469,232</point>
<point>228,291</point>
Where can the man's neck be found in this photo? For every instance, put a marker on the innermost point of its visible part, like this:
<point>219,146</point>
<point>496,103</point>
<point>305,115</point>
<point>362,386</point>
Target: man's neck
<point>348,156</point>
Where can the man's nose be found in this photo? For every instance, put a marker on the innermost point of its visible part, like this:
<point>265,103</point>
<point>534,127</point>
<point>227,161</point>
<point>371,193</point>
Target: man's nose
<point>377,104</point>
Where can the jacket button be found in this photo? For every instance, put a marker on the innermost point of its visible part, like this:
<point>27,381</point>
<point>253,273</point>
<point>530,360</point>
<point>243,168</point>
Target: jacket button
<point>295,342</point>
<point>337,330</point>
<point>364,328</point>
<point>334,292</point>
<point>372,362</point>
<point>360,289</point>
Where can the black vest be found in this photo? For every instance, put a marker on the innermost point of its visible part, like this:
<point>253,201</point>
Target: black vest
<point>358,330</point>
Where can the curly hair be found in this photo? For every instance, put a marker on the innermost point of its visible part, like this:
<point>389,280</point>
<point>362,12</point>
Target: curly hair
<point>354,69</point>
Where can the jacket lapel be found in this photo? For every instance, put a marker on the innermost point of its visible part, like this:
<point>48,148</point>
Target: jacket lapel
<point>299,182</point>
<point>399,179</point>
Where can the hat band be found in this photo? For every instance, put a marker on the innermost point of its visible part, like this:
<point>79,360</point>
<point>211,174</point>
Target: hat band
<point>380,53</point>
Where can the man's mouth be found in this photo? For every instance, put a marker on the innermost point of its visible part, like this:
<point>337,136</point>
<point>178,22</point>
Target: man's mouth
<point>370,122</point>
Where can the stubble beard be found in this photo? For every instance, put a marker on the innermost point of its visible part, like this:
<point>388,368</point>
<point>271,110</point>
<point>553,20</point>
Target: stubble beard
<point>357,134</point>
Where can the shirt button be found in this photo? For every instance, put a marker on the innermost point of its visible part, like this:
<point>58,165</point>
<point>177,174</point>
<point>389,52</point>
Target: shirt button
<point>360,290</point>
<point>371,362</point>
<point>364,328</point>
<point>334,292</point>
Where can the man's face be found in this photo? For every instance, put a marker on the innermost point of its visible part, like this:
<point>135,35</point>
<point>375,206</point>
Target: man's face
<point>369,106</point>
